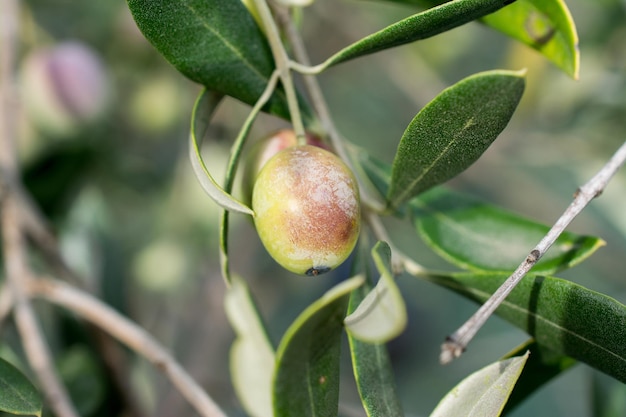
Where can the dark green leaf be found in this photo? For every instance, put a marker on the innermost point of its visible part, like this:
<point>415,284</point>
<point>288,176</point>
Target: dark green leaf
<point>17,394</point>
<point>213,42</point>
<point>452,131</point>
<point>544,25</point>
<point>423,25</point>
<point>372,370</point>
<point>475,235</point>
<point>565,317</point>
<point>84,378</point>
<point>483,393</point>
<point>541,366</point>
<point>306,380</point>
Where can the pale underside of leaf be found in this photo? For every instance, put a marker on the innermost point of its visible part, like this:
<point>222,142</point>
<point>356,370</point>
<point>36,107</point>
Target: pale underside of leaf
<point>381,316</point>
<point>204,106</point>
<point>252,356</point>
<point>484,393</point>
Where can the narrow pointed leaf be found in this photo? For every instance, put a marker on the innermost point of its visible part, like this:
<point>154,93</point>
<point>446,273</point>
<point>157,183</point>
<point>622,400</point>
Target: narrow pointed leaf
<point>544,25</point>
<point>373,371</point>
<point>565,317</point>
<point>453,131</point>
<point>251,355</point>
<point>483,393</point>
<point>306,379</point>
<point>203,109</point>
<point>215,43</point>
<point>381,316</point>
<point>17,394</point>
<point>423,25</point>
<point>541,367</point>
<point>475,235</point>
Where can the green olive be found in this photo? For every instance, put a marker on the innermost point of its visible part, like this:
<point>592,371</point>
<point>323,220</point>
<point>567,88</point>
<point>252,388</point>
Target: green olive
<point>307,209</point>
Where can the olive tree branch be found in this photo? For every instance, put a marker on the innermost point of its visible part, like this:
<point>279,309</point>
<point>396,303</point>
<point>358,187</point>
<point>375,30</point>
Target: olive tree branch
<point>13,244</point>
<point>456,343</point>
<point>132,335</point>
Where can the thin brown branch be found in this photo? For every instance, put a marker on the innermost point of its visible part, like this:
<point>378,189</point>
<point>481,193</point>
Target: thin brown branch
<point>14,247</point>
<point>130,334</point>
<point>6,303</point>
<point>457,342</point>
<point>35,346</point>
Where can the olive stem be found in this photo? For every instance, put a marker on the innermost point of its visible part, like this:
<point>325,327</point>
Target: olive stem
<point>132,335</point>
<point>281,60</point>
<point>456,343</point>
<point>232,169</point>
<point>320,105</point>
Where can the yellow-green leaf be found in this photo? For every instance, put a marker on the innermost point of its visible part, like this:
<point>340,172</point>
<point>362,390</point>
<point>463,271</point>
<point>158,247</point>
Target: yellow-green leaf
<point>381,316</point>
<point>251,354</point>
<point>483,393</point>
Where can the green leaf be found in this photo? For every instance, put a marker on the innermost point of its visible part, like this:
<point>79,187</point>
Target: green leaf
<point>85,380</point>
<point>608,397</point>
<point>17,395</point>
<point>565,317</point>
<point>542,366</point>
<point>452,131</point>
<point>423,25</point>
<point>475,235</point>
<point>544,25</point>
<point>213,42</point>
<point>381,316</point>
<point>251,354</point>
<point>483,393</point>
<point>372,370</point>
<point>203,109</point>
<point>306,381</point>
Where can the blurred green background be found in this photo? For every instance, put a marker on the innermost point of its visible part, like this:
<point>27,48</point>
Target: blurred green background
<point>133,220</point>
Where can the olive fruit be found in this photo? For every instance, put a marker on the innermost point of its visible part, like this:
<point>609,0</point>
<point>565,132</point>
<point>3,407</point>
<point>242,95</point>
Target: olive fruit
<point>307,209</point>
<point>264,149</point>
<point>64,87</point>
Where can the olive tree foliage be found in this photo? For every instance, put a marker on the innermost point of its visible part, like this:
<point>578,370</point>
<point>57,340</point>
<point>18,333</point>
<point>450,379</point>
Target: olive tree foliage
<point>252,51</point>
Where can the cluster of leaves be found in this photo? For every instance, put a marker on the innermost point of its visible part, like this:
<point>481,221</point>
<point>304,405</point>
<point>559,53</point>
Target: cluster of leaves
<point>218,44</point>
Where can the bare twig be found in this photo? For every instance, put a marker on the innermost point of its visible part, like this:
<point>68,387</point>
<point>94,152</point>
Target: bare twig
<point>32,338</point>
<point>14,247</point>
<point>6,303</point>
<point>129,333</point>
<point>457,342</point>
